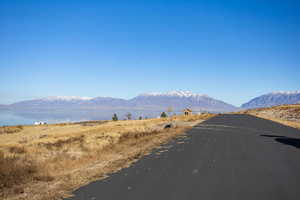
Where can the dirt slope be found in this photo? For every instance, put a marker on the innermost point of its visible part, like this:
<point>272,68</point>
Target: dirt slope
<point>285,114</point>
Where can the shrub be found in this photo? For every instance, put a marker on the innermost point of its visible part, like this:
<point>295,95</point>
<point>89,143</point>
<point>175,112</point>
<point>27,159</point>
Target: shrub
<point>115,117</point>
<point>163,115</point>
<point>128,115</point>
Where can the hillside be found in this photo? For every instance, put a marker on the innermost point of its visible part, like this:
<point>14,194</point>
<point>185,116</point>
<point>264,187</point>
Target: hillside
<point>285,114</point>
<point>273,99</point>
<point>179,100</point>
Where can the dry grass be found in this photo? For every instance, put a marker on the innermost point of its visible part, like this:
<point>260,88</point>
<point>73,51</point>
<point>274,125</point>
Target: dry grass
<point>15,171</point>
<point>17,149</point>
<point>50,161</point>
<point>288,115</point>
<point>191,118</point>
<point>10,129</point>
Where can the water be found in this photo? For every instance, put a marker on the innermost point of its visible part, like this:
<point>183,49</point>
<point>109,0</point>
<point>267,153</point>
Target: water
<point>11,118</point>
<point>8,118</point>
<point>59,115</point>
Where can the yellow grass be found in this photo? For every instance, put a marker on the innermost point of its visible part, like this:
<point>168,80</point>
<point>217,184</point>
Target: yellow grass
<point>10,129</point>
<point>50,161</point>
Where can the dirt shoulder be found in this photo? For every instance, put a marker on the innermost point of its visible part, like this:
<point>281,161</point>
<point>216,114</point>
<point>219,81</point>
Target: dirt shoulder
<point>50,161</point>
<point>285,114</point>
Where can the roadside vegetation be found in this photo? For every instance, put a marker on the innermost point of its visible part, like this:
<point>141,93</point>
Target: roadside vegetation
<point>50,161</point>
<point>10,129</point>
<point>285,114</point>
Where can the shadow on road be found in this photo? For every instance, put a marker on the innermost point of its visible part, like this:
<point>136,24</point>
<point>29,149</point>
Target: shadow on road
<point>295,142</point>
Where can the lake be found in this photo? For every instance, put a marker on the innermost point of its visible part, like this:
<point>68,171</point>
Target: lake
<point>10,118</point>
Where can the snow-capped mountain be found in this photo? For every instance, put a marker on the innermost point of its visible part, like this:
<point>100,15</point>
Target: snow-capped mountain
<point>273,99</point>
<point>178,100</point>
<point>50,102</point>
<point>174,94</point>
<point>66,98</point>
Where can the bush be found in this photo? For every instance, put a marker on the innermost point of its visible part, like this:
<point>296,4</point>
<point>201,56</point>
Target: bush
<point>115,117</point>
<point>163,115</point>
<point>128,115</point>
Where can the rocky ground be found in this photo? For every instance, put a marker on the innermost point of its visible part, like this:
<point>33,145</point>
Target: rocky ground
<point>286,114</point>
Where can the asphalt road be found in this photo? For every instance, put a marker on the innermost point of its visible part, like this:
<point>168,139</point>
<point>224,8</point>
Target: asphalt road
<point>227,157</point>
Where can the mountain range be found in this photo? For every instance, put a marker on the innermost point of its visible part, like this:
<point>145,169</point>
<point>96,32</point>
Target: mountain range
<point>178,100</point>
<point>273,99</point>
<point>147,105</point>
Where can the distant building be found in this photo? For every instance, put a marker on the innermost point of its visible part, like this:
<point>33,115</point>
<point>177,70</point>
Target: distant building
<point>39,123</point>
<point>187,111</point>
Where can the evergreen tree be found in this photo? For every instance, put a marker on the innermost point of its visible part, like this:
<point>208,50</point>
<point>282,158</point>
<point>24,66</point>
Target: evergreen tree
<point>163,115</point>
<point>128,115</point>
<point>115,117</point>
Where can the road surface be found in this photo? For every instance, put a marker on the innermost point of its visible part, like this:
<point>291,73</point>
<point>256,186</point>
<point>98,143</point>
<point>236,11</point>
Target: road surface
<point>234,157</point>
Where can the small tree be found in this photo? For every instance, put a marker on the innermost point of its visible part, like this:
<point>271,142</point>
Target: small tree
<point>140,118</point>
<point>163,115</point>
<point>115,117</point>
<point>128,115</point>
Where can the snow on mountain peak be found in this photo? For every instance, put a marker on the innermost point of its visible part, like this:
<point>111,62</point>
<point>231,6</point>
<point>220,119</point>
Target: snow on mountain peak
<point>174,93</point>
<point>286,92</point>
<point>66,98</point>
<point>273,99</point>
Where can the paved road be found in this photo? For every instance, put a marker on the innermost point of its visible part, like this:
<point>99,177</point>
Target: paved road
<point>234,157</point>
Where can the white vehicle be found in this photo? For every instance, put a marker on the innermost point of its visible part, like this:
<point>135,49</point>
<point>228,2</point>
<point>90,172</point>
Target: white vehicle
<point>39,123</point>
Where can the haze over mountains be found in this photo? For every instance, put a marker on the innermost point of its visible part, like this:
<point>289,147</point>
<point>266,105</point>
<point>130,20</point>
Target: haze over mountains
<point>62,108</point>
<point>178,100</point>
<point>273,99</point>
<point>72,108</point>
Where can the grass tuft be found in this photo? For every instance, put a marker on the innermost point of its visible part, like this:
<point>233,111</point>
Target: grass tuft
<point>15,170</point>
<point>17,149</point>
<point>10,129</point>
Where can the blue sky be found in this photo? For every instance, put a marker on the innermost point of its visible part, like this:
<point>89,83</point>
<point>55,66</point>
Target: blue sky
<point>230,50</point>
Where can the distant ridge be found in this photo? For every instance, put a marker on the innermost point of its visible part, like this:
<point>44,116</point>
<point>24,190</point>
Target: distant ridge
<point>148,101</point>
<point>180,100</point>
<point>273,99</point>
<point>146,104</point>
<point>66,98</point>
<point>174,93</point>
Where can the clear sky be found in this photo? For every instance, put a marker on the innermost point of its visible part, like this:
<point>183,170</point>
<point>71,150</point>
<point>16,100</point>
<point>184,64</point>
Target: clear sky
<point>229,50</point>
